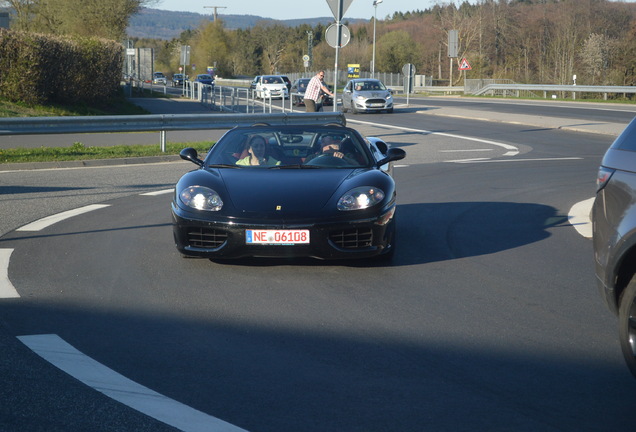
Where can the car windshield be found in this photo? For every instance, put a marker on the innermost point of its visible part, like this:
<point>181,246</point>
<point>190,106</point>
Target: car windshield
<point>205,77</point>
<point>273,80</point>
<point>368,85</point>
<point>289,147</point>
<point>303,84</point>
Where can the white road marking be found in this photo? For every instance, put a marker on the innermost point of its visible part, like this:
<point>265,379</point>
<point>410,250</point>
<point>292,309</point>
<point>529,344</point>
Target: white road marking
<point>579,217</point>
<point>50,220</point>
<point>512,150</point>
<point>7,289</point>
<point>160,192</point>
<point>64,356</point>
<point>465,150</point>
<point>486,160</point>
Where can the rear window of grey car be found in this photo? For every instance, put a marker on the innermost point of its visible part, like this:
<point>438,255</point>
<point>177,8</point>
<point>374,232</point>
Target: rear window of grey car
<point>627,139</point>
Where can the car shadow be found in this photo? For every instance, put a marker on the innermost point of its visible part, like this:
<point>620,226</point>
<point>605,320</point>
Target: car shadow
<point>433,232</point>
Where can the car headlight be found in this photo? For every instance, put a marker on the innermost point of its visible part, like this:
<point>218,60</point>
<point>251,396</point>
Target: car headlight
<point>360,198</point>
<point>389,97</point>
<point>201,198</point>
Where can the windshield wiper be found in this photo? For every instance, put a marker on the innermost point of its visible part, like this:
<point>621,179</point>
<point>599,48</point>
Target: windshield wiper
<point>293,166</point>
<point>223,166</point>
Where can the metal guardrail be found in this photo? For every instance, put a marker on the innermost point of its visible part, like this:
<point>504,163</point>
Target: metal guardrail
<point>157,122</point>
<point>492,88</point>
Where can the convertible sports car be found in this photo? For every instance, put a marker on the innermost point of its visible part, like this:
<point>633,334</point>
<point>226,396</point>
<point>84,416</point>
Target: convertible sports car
<point>288,191</point>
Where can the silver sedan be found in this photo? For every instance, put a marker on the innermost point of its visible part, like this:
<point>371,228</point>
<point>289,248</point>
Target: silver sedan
<point>366,95</point>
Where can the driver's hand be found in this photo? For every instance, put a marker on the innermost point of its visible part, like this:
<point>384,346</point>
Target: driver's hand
<point>338,154</point>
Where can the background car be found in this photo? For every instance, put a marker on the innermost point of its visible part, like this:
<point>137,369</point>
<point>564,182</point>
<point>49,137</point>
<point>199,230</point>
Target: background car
<point>366,95</point>
<point>297,92</point>
<point>205,79</point>
<point>307,199</point>
<point>159,78</point>
<point>270,86</point>
<point>614,237</point>
<point>177,80</point>
<point>254,81</point>
<point>287,82</point>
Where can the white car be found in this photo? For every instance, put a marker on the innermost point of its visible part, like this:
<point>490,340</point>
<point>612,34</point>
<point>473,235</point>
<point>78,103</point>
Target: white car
<point>271,86</point>
<point>159,78</point>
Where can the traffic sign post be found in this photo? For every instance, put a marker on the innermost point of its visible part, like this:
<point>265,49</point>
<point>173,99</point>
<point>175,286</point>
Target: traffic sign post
<point>409,73</point>
<point>464,66</point>
<point>338,8</point>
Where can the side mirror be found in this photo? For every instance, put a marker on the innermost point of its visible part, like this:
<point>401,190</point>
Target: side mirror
<point>393,154</point>
<point>191,155</point>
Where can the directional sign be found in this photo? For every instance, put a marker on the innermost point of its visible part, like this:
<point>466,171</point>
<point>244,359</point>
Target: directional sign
<point>334,6</point>
<point>464,65</point>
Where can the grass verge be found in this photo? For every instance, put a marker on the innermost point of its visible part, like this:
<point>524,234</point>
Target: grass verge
<point>80,152</point>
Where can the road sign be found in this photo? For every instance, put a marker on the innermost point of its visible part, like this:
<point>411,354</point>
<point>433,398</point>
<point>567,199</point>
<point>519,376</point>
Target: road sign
<point>464,65</point>
<point>331,35</point>
<point>453,43</point>
<point>408,70</point>
<point>305,58</point>
<point>334,6</point>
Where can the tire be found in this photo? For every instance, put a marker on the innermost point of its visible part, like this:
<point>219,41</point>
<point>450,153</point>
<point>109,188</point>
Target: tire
<point>627,325</point>
<point>353,108</point>
<point>389,111</point>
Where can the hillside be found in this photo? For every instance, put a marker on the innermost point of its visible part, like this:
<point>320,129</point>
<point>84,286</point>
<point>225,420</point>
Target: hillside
<point>162,24</point>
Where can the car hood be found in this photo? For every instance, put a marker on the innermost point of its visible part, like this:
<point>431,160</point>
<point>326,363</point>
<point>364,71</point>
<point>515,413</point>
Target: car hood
<point>372,93</point>
<point>283,191</point>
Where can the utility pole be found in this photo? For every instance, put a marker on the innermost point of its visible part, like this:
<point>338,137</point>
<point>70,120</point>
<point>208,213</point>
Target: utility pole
<point>215,9</point>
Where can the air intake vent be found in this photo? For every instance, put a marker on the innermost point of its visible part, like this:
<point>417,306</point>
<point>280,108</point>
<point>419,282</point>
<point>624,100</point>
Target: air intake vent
<point>206,238</point>
<point>352,239</point>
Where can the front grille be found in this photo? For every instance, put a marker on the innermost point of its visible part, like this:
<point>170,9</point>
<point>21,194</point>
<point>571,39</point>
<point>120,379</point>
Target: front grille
<point>352,238</point>
<point>206,238</point>
<point>376,101</point>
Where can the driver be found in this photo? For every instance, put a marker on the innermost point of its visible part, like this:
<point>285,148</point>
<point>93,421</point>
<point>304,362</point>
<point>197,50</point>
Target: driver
<point>329,145</point>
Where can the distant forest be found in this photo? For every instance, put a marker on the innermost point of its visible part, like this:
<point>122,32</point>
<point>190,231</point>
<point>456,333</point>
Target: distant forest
<point>527,41</point>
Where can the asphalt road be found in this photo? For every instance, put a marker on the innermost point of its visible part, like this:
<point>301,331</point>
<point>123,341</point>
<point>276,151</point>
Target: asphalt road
<point>488,318</point>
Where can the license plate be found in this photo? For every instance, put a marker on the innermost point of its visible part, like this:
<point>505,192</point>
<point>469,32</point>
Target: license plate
<point>376,105</point>
<point>277,237</point>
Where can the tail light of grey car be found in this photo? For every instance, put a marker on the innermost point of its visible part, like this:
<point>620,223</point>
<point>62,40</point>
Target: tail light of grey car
<point>604,175</point>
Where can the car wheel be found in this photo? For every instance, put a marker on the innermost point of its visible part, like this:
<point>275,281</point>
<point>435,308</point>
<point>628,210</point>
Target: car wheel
<point>353,108</point>
<point>389,111</point>
<point>627,325</point>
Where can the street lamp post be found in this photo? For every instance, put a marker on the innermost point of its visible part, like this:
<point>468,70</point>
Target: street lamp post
<point>375,18</point>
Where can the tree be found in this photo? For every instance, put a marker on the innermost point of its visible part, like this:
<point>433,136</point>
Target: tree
<point>98,18</point>
<point>394,50</point>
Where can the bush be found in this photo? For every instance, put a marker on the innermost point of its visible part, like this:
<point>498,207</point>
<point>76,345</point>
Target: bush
<point>41,69</point>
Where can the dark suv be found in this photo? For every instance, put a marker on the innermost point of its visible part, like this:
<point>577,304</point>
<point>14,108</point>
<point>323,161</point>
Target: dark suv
<point>614,235</point>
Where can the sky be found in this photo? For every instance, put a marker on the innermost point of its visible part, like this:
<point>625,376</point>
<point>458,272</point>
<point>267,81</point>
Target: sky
<point>289,9</point>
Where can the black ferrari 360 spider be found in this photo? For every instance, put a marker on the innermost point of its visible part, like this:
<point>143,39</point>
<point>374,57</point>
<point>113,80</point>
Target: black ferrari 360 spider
<point>288,191</point>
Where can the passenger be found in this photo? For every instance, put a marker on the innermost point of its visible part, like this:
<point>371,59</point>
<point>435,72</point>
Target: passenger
<point>257,153</point>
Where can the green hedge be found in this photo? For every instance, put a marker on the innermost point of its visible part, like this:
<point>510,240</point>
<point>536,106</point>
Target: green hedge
<point>41,69</point>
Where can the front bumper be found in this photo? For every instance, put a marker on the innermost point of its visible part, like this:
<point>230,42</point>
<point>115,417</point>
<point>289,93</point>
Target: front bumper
<point>370,105</point>
<point>338,239</point>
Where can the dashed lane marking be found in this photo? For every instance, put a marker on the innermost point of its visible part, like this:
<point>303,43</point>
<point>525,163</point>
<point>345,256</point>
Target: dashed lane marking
<point>579,217</point>
<point>50,220</point>
<point>64,356</point>
<point>7,289</point>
